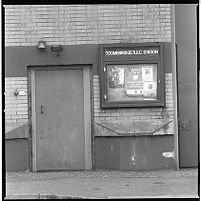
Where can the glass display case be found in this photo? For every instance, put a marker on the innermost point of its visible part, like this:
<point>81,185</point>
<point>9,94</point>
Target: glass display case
<point>130,82</point>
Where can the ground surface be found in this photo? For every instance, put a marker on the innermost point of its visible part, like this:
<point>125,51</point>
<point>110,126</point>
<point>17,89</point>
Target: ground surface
<point>102,184</point>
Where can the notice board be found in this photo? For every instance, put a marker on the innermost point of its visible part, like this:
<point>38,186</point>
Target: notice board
<point>132,75</point>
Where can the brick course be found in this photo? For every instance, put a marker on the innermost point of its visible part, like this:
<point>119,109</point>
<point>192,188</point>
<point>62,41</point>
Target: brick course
<point>16,107</point>
<point>87,24</point>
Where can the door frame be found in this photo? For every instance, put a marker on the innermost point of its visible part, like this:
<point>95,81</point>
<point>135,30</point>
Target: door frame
<point>87,109</point>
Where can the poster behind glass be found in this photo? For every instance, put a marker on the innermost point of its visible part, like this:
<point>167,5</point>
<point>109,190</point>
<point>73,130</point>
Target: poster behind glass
<point>132,82</point>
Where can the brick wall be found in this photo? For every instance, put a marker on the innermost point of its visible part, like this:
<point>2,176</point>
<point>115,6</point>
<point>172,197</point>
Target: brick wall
<point>16,107</point>
<point>87,24</point>
<point>134,113</point>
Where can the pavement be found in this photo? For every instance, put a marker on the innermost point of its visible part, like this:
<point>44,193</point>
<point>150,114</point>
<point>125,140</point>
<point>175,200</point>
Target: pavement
<point>102,184</point>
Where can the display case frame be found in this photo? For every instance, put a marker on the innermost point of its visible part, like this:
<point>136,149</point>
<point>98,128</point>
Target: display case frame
<point>127,55</point>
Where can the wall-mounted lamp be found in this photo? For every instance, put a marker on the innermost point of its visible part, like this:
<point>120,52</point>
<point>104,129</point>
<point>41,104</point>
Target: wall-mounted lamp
<point>57,49</point>
<point>41,45</point>
<point>16,92</point>
<point>19,93</point>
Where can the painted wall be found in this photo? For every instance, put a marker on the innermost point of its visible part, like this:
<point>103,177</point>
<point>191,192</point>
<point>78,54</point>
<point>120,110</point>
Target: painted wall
<point>72,54</point>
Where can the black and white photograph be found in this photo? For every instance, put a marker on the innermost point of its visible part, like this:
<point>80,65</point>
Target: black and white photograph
<point>100,101</point>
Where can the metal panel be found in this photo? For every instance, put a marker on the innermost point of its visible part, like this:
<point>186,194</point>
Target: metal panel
<point>32,92</point>
<point>16,154</point>
<point>134,153</point>
<point>134,127</point>
<point>22,131</point>
<point>87,118</point>
<point>60,135</point>
<point>107,153</point>
<point>174,88</point>
<point>188,128</point>
<point>187,66</point>
<point>186,39</point>
<point>146,153</point>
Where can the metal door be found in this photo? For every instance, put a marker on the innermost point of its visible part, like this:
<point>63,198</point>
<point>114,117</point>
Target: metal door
<point>186,40</point>
<point>59,109</point>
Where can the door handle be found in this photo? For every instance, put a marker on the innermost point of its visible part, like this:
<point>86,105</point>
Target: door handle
<point>41,109</point>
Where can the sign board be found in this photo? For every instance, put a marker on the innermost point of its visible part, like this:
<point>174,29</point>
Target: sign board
<point>132,75</point>
<point>153,51</point>
<point>22,93</point>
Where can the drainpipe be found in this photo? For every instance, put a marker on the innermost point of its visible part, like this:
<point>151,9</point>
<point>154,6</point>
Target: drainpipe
<point>174,85</point>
